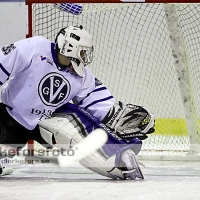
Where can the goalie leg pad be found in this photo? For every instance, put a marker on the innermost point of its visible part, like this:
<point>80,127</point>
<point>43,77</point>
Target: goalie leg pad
<point>103,166</point>
<point>67,133</point>
<point>69,130</point>
<point>65,129</point>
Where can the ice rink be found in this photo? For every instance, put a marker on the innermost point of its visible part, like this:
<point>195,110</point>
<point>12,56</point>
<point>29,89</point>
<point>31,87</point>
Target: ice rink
<point>163,180</point>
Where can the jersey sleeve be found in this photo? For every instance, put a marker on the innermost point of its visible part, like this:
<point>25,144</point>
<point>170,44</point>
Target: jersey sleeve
<point>94,96</point>
<point>15,58</point>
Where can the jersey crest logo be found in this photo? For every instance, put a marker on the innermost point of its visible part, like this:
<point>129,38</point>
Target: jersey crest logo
<point>54,89</point>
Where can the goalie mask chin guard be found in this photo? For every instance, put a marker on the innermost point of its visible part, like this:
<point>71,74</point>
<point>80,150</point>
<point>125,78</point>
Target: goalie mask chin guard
<point>76,44</point>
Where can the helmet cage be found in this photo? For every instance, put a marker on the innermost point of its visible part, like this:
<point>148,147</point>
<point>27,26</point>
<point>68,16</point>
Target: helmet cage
<point>85,54</point>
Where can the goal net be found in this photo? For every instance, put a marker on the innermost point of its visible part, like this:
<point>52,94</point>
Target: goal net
<point>146,54</point>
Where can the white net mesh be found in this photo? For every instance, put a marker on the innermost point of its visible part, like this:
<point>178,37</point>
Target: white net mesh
<point>134,59</point>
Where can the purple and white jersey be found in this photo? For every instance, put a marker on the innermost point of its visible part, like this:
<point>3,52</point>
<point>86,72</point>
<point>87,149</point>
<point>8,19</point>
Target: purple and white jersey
<point>36,88</point>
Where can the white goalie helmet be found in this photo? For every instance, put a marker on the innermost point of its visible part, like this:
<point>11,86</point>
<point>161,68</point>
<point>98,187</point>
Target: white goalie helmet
<point>75,43</point>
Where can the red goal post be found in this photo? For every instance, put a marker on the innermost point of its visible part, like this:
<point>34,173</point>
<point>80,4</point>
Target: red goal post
<point>150,50</point>
<point>112,1</point>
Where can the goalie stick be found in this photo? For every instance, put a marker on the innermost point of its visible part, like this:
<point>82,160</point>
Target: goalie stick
<point>90,144</point>
<point>95,140</point>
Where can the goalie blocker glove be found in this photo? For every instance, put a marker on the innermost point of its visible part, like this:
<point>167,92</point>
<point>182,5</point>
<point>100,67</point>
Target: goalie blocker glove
<point>129,121</point>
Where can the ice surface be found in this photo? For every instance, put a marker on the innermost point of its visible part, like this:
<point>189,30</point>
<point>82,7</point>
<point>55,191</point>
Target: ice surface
<point>163,180</point>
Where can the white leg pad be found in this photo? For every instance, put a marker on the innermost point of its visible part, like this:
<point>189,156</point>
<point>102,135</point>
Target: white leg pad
<point>68,133</point>
<point>101,165</point>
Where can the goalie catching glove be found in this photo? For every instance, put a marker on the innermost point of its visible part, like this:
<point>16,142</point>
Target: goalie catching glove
<point>129,121</point>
